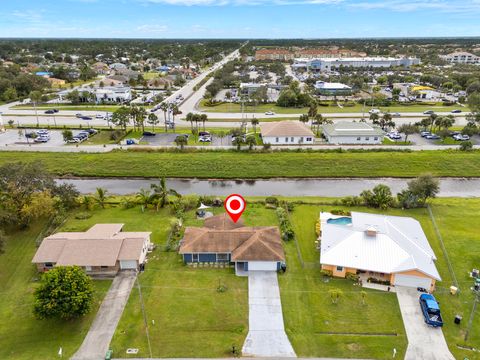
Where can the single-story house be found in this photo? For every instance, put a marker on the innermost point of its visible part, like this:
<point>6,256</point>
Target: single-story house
<point>389,248</point>
<point>286,133</point>
<point>222,240</point>
<point>160,83</point>
<point>331,89</point>
<point>104,249</point>
<point>346,132</point>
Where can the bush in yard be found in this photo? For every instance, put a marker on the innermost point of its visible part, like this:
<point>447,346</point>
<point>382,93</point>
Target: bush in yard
<point>65,292</point>
<point>466,146</point>
<point>271,200</point>
<point>285,226</point>
<point>351,201</point>
<point>328,273</point>
<point>335,295</point>
<point>380,197</point>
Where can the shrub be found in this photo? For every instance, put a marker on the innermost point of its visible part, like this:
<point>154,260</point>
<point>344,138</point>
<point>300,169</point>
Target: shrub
<point>353,277</point>
<point>340,212</point>
<point>466,146</point>
<point>83,215</point>
<point>127,203</point>
<point>351,201</point>
<point>328,273</point>
<point>271,200</point>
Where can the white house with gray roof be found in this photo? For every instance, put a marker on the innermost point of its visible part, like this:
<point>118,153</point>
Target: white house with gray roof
<point>390,248</point>
<point>286,133</point>
<point>345,132</point>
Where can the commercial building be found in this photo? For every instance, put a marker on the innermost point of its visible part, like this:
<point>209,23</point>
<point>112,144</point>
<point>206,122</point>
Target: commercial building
<point>286,55</point>
<point>104,249</point>
<point>328,88</point>
<point>330,64</point>
<point>461,57</point>
<point>393,249</point>
<point>345,132</point>
<point>286,133</point>
<point>221,240</point>
<point>106,94</point>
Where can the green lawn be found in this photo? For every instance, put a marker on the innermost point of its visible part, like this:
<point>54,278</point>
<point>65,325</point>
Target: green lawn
<point>230,164</point>
<point>357,108</point>
<point>21,335</point>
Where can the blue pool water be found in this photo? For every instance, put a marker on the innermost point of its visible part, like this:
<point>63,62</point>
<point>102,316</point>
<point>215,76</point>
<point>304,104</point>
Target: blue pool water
<point>340,221</point>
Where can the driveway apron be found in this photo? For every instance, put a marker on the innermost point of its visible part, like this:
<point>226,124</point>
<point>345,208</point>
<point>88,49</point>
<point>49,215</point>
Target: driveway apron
<point>266,336</point>
<point>98,338</point>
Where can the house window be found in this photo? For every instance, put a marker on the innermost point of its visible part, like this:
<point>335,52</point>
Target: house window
<point>339,268</point>
<point>375,138</point>
<point>309,139</point>
<point>286,139</point>
<point>194,257</point>
<point>367,138</point>
<point>358,138</point>
<point>222,257</point>
<point>291,139</point>
<point>48,265</point>
<point>103,267</point>
<point>276,139</point>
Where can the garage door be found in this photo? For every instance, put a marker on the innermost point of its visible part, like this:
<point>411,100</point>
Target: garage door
<point>412,281</point>
<point>128,264</point>
<point>262,265</point>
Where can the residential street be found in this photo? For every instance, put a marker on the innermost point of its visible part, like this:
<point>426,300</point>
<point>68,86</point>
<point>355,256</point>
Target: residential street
<point>424,342</point>
<point>266,333</point>
<point>98,338</point>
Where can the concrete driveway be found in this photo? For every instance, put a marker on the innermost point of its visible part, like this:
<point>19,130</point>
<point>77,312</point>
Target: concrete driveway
<point>266,336</point>
<point>98,338</point>
<point>424,342</point>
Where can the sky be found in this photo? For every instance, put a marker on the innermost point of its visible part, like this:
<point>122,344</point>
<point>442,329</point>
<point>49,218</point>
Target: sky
<point>239,18</point>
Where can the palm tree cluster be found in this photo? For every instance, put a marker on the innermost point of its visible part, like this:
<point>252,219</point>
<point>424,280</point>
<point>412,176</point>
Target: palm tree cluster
<point>196,118</point>
<point>157,195</point>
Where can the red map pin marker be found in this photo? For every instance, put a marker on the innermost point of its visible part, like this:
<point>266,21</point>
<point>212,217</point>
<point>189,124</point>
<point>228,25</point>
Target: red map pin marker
<point>235,205</point>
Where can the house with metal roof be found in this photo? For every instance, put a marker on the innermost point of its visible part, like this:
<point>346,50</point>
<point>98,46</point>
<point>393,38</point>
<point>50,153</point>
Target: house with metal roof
<point>352,133</point>
<point>389,248</point>
<point>221,240</point>
<point>104,249</point>
<point>286,133</point>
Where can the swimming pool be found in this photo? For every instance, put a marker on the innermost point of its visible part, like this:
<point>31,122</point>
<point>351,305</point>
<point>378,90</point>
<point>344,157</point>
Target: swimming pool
<point>340,221</point>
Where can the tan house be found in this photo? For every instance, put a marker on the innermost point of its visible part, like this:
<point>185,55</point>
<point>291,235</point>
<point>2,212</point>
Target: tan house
<point>388,248</point>
<point>104,249</point>
<point>223,241</point>
<point>286,132</point>
<point>160,83</point>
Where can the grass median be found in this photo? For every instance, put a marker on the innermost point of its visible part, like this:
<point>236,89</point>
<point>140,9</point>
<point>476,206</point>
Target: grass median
<point>251,165</point>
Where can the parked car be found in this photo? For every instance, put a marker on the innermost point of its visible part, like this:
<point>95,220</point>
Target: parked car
<point>75,140</point>
<point>78,115</point>
<point>91,131</point>
<point>49,111</point>
<point>394,135</point>
<point>374,111</point>
<point>430,310</point>
<point>30,135</point>
<point>396,114</point>
<point>269,113</point>
<point>86,118</point>
<point>205,139</point>
<point>99,116</point>
<point>42,132</point>
<point>428,112</point>
<point>42,139</point>
<point>148,133</point>
<point>432,137</point>
<point>460,137</point>
<point>203,133</point>
<point>55,110</point>
<point>425,133</point>
<point>456,111</point>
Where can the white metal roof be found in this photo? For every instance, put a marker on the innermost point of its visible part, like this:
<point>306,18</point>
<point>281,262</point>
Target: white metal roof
<point>399,245</point>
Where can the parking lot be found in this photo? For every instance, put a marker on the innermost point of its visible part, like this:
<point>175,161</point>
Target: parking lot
<point>163,139</point>
<point>14,137</point>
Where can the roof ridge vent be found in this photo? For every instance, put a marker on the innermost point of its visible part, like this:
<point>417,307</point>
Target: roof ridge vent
<point>371,231</point>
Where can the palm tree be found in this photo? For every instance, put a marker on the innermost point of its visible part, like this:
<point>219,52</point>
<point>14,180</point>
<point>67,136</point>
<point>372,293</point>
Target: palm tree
<point>164,108</point>
<point>189,118</point>
<point>254,123</point>
<point>133,115</point>
<point>181,141</point>
<point>140,116</point>
<point>251,142</point>
<point>203,118</point>
<point>35,97</point>
<point>174,110</point>
<point>221,134</point>
<point>152,120</point>
<point>86,202</point>
<point>304,118</point>
<point>101,197</point>
<point>145,198</point>
<point>161,193</point>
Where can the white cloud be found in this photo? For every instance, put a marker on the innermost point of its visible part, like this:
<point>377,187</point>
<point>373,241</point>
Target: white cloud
<point>240,2</point>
